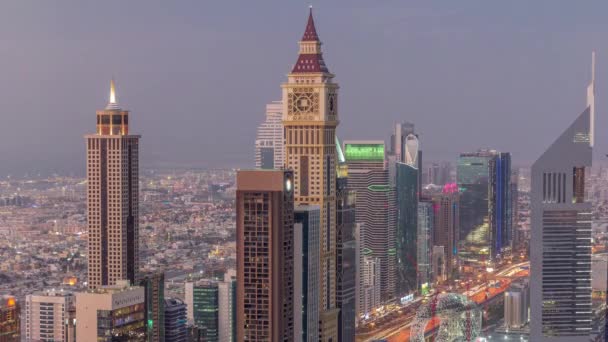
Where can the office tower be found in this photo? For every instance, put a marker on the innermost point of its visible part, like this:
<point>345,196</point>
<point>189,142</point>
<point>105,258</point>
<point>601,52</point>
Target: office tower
<point>269,150</point>
<point>560,250</point>
<point>227,306</point>
<point>424,244</point>
<point>111,313</point>
<point>438,173</point>
<point>376,202</point>
<point>346,261</point>
<point>485,206</point>
<point>406,237</point>
<point>46,313</point>
<point>401,131</point>
<point>307,222</point>
<point>154,285</point>
<point>112,198</point>
<point>447,222</point>
<point>371,278</point>
<point>265,255</point>
<point>517,305</point>
<point>10,324</point>
<point>310,118</point>
<point>175,313</point>
<point>202,299</point>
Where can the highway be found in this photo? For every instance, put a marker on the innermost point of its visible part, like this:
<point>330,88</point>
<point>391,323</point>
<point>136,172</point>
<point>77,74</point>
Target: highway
<point>398,330</point>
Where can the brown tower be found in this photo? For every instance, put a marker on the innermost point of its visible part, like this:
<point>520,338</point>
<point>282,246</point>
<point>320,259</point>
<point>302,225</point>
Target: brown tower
<point>112,198</point>
<point>265,286</point>
<point>310,118</point>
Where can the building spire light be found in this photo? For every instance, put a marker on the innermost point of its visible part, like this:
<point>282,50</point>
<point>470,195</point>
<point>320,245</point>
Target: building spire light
<point>112,91</point>
<point>112,104</point>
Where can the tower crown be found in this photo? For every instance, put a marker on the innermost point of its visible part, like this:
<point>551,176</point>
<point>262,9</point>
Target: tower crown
<point>112,120</point>
<point>310,59</point>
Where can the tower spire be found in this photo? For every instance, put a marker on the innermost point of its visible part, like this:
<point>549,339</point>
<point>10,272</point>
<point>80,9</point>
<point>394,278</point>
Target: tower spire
<point>591,101</point>
<point>112,104</point>
<point>310,59</point>
<point>310,34</point>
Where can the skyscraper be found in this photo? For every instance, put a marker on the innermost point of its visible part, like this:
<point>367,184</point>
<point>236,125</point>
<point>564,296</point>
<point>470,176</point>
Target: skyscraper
<point>346,260</point>
<point>424,244</point>
<point>227,303</point>
<point>46,315</point>
<point>306,271</point>
<point>401,131</point>
<point>375,200</point>
<point>202,300</point>
<point>112,198</point>
<point>560,250</point>
<point>265,242</point>
<point>484,183</point>
<point>446,220</point>
<point>175,329</point>
<point>269,151</point>
<point>154,287</point>
<point>406,185</point>
<point>310,118</point>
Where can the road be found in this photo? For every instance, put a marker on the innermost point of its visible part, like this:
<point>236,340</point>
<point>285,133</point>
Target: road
<point>399,331</point>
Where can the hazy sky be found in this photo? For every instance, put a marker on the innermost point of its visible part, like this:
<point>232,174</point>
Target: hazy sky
<point>196,75</point>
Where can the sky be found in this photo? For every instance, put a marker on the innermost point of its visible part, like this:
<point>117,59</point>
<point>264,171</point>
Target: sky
<point>196,75</point>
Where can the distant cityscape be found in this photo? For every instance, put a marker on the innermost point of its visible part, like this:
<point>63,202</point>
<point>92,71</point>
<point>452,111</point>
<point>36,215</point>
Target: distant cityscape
<point>324,238</point>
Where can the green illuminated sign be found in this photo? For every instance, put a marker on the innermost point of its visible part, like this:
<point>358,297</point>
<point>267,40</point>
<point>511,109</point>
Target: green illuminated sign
<point>379,187</point>
<point>372,152</point>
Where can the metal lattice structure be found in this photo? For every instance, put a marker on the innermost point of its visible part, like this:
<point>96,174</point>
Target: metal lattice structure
<point>459,318</point>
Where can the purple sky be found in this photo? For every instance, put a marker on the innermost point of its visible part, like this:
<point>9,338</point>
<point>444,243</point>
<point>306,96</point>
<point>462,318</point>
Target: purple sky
<point>196,75</point>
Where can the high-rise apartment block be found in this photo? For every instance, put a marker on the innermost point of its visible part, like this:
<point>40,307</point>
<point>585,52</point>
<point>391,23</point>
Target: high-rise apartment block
<point>47,316</point>
<point>10,322</point>
<point>265,255</point>
<point>560,250</point>
<point>269,145</point>
<point>111,313</point>
<point>310,119</point>
<point>112,198</point>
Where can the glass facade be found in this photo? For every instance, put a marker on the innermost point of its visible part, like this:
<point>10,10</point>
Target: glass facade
<point>124,324</point>
<point>206,310</point>
<point>484,182</point>
<point>406,243</point>
<point>346,260</point>
<point>154,285</point>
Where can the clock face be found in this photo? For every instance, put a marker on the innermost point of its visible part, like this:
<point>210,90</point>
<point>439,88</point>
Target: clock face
<point>303,101</point>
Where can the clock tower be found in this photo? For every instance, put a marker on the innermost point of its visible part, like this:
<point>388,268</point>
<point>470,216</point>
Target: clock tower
<point>310,118</point>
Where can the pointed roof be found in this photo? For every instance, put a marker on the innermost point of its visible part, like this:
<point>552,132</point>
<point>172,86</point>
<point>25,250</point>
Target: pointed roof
<point>310,62</point>
<point>310,34</point>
